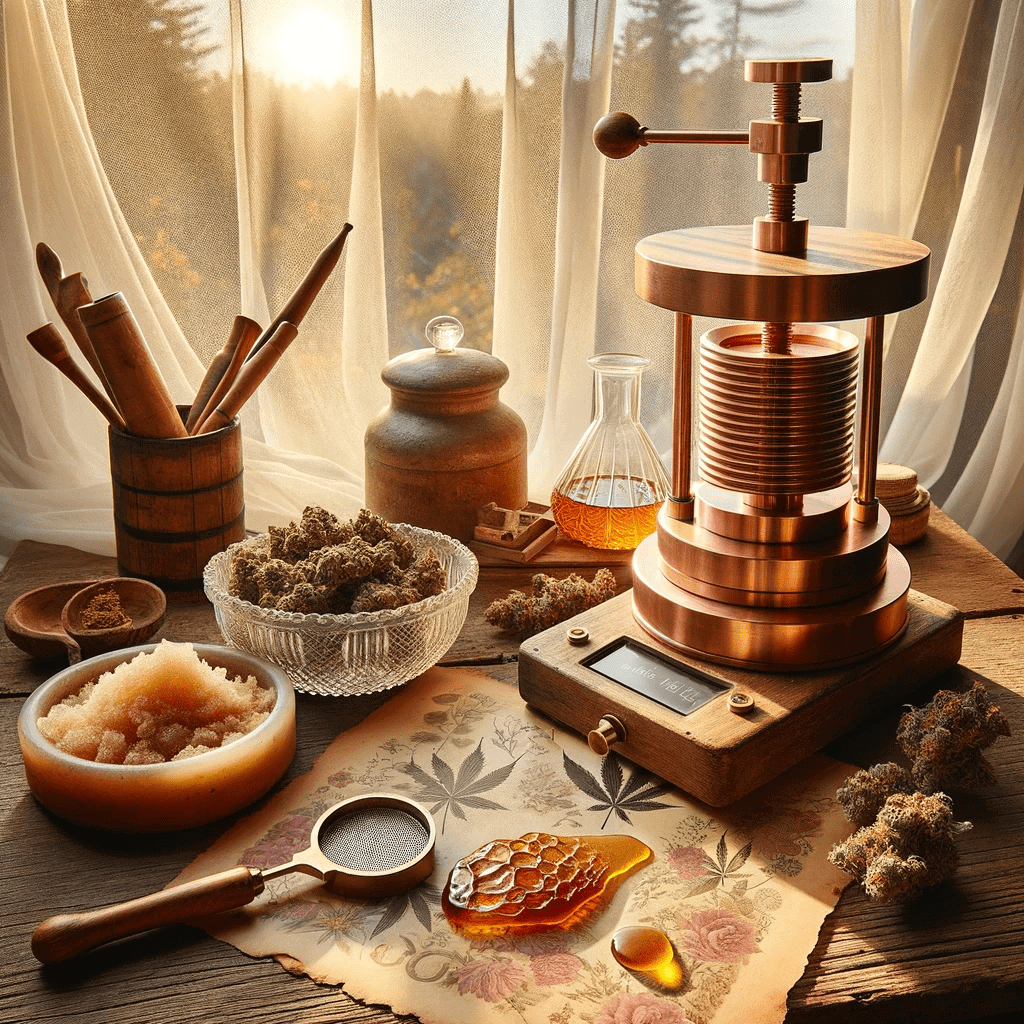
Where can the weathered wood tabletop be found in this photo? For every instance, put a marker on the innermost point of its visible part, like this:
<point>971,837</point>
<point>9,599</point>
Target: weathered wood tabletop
<point>956,954</point>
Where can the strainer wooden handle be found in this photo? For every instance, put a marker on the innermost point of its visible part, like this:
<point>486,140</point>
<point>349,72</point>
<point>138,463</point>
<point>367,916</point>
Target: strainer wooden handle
<point>67,935</point>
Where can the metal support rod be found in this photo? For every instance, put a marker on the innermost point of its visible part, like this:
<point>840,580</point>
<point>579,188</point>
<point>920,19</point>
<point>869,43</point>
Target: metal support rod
<point>870,404</point>
<point>715,136</point>
<point>680,504</point>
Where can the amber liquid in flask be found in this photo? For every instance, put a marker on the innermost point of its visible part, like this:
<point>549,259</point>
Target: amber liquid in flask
<point>611,489</point>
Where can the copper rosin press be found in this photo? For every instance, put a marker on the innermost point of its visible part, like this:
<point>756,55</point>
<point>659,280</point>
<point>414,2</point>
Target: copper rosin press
<point>768,612</point>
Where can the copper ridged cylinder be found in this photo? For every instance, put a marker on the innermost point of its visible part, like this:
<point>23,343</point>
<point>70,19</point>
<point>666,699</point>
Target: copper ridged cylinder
<point>777,422</point>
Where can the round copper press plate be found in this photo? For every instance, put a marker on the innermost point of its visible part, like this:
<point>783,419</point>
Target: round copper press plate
<point>769,638</point>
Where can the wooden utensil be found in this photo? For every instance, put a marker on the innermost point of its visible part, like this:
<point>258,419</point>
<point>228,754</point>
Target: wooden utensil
<point>302,298</point>
<point>46,340</point>
<point>249,378</point>
<point>223,369</point>
<point>138,388</point>
<point>68,294</point>
<point>33,620</point>
<point>143,603</point>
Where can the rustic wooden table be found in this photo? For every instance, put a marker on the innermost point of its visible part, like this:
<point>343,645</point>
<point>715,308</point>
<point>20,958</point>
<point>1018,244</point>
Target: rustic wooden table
<point>954,955</point>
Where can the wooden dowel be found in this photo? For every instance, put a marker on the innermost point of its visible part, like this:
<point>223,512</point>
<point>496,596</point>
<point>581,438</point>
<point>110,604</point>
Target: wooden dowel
<point>249,379</point>
<point>222,369</point>
<point>244,335</point>
<point>141,394</point>
<point>46,340</point>
<point>302,298</point>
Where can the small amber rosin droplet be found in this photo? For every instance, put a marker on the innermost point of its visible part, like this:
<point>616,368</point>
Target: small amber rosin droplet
<point>648,954</point>
<point>537,882</point>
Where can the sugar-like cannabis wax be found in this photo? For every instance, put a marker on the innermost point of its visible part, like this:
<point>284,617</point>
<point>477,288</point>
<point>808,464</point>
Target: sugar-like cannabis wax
<point>167,705</point>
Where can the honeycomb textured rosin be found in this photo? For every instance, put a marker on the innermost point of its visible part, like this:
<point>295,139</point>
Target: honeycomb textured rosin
<point>537,882</point>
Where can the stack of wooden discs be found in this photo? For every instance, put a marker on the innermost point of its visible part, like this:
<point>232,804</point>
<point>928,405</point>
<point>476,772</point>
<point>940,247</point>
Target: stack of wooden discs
<point>905,500</point>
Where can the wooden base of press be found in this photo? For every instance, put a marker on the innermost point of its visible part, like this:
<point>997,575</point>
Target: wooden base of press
<point>714,753</point>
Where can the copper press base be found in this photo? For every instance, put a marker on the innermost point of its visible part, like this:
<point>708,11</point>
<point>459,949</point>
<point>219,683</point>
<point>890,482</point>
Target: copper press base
<point>769,638</point>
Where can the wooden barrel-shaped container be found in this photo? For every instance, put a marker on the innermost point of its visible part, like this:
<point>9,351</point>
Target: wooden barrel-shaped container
<point>177,502</point>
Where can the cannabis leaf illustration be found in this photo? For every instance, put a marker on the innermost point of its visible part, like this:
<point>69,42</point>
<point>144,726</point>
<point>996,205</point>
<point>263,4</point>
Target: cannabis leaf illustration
<point>719,871</point>
<point>637,794</point>
<point>419,899</point>
<point>453,791</point>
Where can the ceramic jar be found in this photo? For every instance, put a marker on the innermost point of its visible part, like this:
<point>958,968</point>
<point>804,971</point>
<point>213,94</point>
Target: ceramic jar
<point>446,445</point>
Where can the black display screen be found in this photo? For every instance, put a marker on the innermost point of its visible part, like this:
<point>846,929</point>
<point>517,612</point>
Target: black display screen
<point>675,686</point>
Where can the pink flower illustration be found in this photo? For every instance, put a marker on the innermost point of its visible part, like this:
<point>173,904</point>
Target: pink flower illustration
<point>687,861</point>
<point>279,844</point>
<point>719,935</point>
<point>490,980</point>
<point>555,968</point>
<point>640,1008</point>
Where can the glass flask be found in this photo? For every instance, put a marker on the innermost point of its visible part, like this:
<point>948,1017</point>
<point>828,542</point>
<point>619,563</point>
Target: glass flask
<point>609,493</point>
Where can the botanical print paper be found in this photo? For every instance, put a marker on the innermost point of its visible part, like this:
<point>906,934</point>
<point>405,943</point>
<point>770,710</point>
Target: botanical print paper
<point>741,892</point>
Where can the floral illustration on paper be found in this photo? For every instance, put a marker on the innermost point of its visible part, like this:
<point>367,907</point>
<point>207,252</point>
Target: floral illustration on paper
<point>715,888</point>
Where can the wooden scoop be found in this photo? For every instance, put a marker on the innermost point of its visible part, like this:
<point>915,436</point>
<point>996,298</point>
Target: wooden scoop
<point>46,340</point>
<point>143,603</point>
<point>68,294</point>
<point>35,621</point>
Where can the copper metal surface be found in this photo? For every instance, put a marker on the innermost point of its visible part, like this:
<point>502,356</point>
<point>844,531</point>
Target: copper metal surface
<point>681,505</point>
<point>769,638</point>
<point>845,274</point>
<point>871,390</point>
<point>731,514</point>
<point>852,557</point>
<point>777,422</point>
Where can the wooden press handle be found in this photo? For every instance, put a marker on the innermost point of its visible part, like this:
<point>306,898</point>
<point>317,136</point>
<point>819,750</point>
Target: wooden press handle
<point>244,333</point>
<point>138,388</point>
<point>249,379</point>
<point>66,935</point>
<point>46,340</point>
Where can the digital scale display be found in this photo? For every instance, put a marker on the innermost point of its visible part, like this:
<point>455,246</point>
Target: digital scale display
<point>675,686</point>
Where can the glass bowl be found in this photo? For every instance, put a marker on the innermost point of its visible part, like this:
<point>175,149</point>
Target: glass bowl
<point>363,652</point>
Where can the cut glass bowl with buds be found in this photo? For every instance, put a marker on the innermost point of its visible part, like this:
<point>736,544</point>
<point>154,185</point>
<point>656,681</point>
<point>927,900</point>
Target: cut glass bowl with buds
<point>357,653</point>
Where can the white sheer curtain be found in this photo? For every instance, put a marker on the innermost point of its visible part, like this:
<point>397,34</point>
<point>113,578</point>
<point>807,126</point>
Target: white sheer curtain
<point>938,106</point>
<point>234,193</point>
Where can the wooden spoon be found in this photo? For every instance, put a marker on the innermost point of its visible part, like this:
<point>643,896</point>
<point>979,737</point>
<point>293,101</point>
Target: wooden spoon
<point>33,620</point>
<point>68,294</point>
<point>143,603</point>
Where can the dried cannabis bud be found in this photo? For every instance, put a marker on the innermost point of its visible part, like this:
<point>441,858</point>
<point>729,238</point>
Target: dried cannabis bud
<point>323,565</point>
<point>945,739</point>
<point>553,601</point>
<point>865,792</point>
<point>911,845</point>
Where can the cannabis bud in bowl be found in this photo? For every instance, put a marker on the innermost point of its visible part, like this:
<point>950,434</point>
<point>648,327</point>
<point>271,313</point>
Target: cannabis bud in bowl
<point>345,607</point>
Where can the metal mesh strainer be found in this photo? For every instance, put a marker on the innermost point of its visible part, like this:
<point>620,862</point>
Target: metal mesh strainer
<point>373,839</point>
<point>371,847</point>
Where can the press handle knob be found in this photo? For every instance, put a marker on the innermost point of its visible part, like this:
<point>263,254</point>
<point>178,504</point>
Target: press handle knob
<point>609,731</point>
